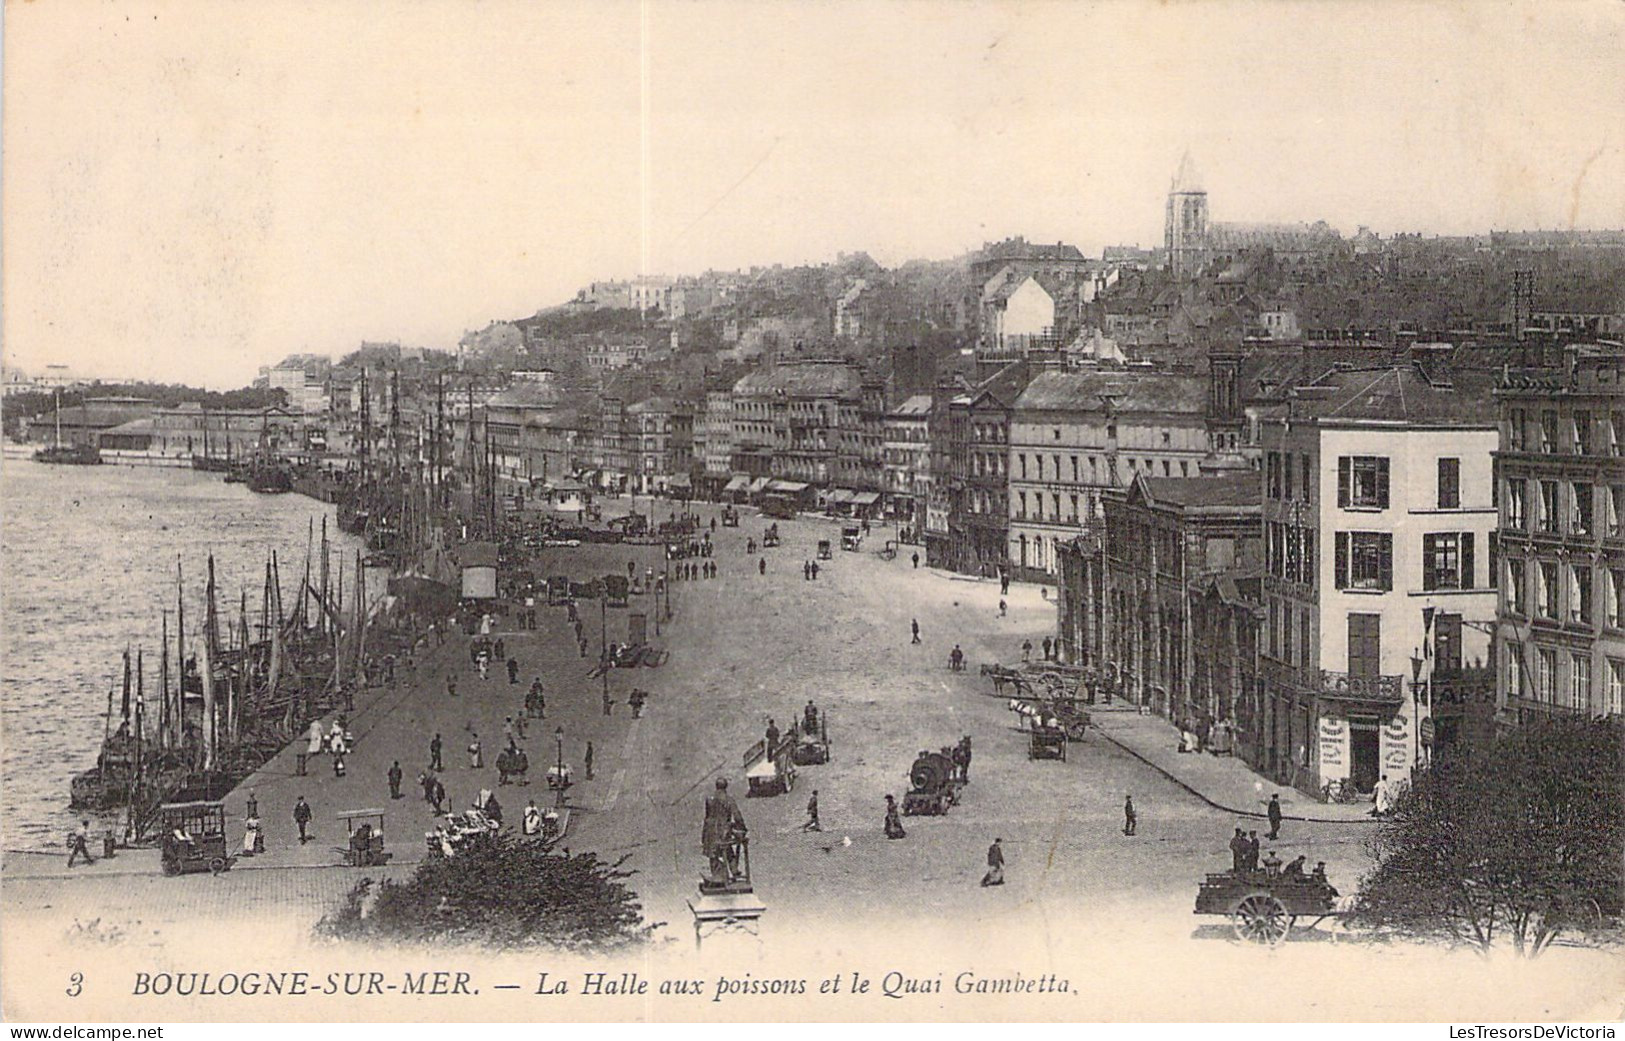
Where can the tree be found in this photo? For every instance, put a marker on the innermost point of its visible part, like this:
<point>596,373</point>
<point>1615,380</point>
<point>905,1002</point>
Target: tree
<point>1525,840</point>
<point>502,892</point>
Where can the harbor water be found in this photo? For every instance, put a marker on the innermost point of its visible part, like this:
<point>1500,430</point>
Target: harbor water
<point>88,559</point>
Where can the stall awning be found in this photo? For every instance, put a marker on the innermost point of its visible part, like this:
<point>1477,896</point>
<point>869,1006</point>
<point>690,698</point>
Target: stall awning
<point>679,481</point>
<point>788,486</point>
<point>758,484</point>
<point>736,483</point>
<point>838,496</point>
<point>865,498</point>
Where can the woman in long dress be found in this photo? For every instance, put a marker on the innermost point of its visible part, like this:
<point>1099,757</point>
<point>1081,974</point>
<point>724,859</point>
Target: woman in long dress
<point>315,745</point>
<point>253,840</point>
<point>533,819</point>
<point>894,822</point>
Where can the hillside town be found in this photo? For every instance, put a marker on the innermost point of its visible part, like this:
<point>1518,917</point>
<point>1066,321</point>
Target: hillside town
<point>1335,504</point>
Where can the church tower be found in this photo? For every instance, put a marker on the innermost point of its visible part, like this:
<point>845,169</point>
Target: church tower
<point>1185,226</point>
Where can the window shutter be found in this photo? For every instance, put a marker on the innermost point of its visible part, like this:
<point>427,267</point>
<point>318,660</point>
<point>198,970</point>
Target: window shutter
<point>1342,482</point>
<point>1429,574</point>
<point>1386,546</point>
<point>1309,576</point>
<point>1382,483</point>
<point>1467,560</point>
<point>1342,553</point>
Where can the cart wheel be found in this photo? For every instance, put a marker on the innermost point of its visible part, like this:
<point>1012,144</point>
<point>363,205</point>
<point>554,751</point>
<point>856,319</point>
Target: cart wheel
<point>217,865</point>
<point>1261,918</point>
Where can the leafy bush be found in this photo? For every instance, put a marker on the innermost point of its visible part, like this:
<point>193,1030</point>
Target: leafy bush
<point>1525,840</point>
<point>499,892</point>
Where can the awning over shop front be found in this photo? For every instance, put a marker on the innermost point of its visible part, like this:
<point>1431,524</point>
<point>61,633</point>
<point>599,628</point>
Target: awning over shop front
<point>839,496</point>
<point>788,486</point>
<point>865,498</point>
<point>679,481</point>
<point>758,484</point>
<point>736,483</point>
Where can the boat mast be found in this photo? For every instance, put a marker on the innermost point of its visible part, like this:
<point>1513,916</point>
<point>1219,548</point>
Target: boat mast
<point>163,684</point>
<point>58,419</point>
<point>179,720</point>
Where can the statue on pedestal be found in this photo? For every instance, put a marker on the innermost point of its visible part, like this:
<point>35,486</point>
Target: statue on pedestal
<point>723,839</point>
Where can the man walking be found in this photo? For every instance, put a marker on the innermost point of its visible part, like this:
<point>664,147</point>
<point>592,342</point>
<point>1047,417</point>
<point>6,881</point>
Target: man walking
<point>1275,817</point>
<point>1131,822</point>
<point>1046,648</point>
<point>761,566</point>
<point>1004,609</point>
<point>812,814</point>
<point>451,684</point>
<point>395,780</point>
<point>915,626</point>
<point>995,865</point>
<point>434,754</point>
<point>916,562</point>
<point>301,817</point>
<point>79,844</point>
<point>1026,650</point>
<point>586,760</point>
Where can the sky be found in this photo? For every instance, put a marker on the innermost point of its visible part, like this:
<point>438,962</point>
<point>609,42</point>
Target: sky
<point>194,189</point>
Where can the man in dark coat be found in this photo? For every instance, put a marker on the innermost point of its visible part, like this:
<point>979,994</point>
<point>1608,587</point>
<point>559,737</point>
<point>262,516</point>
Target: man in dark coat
<point>434,754</point>
<point>1251,862</point>
<point>1238,852</point>
<point>301,817</point>
<point>724,825</point>
<point>772,738</point>
<point>915,626</point>
<point>1131,820</point>
<point>1275,817</point>
<point>395,780</point>
<point>995,865</point>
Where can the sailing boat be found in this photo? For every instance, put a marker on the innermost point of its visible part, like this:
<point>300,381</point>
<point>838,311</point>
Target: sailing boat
<point>71,455</point>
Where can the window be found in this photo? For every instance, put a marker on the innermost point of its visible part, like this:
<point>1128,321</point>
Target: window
<point>1022,505</point>
<point>1580,519</point>
<point>1616,433</point>
<point>1292,544</point>
<point>1365,560</point>
<point>1545,673</point>
<point>1272,469</point>
<point>1074,469</point>
<point>1362,482</point>
<point>1275,643</point>
<point>1056,499</point>
<point>1582,432</point>
<point>1303,636</point>
<point>1615,601</point>
<point>1074,507</point>
<point>1616,687</point>
<point>1365,644</point>
<point>1516,423</point>
<point>1447,642</point>
<point>1023,458</point>
<point>1580,594</point>
<point>1303,464</point>
<point>1615,501</point>
<point>1308,576</point>
<point>1517,503</point>
<point>1546,575</point>
<point>1579,681</point>
<point>1449,484</point>
<point>1517,592</point>
<point>1286,479</point>
<point>1286,633</point>
<point>1447,560</point>
<point>1515,679</point>
<point>1548,431</point>
<point>1547,521</point>
<point>1038,461</point>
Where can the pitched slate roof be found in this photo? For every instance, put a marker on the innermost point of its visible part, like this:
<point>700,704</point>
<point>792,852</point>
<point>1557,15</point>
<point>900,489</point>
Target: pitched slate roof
<point>1398,395</point>
<point>1128,391</point>
<point>1234,490</point>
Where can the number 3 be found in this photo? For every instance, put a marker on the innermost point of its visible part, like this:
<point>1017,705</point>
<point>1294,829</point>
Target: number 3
<point>76,984</point>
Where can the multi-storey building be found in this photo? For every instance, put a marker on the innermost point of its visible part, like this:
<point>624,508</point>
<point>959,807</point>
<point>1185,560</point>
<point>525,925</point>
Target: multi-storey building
<point>506,416</point>
<point>978,442</point>
<point>809,424</point>
<point>648,444</point>
<point>908,460</point>
<point>1075,434</point>
<point>1560,622</point>
<point>713,440</point>
<point>1378,585</point>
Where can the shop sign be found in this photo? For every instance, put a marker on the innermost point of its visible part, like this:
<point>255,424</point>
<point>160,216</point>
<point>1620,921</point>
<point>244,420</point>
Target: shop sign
<point>1396,747</point>
<point>1334,746</point>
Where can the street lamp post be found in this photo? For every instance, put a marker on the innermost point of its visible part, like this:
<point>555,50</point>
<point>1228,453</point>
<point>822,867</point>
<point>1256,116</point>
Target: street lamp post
<point>603,640</point>
<point>558,737</point>
<point>1417,662</point>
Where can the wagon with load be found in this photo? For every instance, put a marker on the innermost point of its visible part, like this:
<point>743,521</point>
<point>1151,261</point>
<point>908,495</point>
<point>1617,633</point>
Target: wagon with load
<point>770,771</point>
<point>194,838</point>
<point>934,783</point>
<point>1263,906</point>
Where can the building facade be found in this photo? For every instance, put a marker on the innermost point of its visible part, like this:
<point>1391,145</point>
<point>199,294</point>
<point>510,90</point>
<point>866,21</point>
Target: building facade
<point>1560,622</point>
<point>908,460</point>
<point>1378,518</point>
<point>1073,435</point>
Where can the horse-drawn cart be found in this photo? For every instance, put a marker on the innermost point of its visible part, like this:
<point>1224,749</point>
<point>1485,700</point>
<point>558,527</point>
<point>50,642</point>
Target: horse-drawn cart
<point>364,841</point>
<point>810,738</point>
<point>1263,907</point>
<point>194,838</point>
<point>1047,740</point>
<point>770,774</point>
